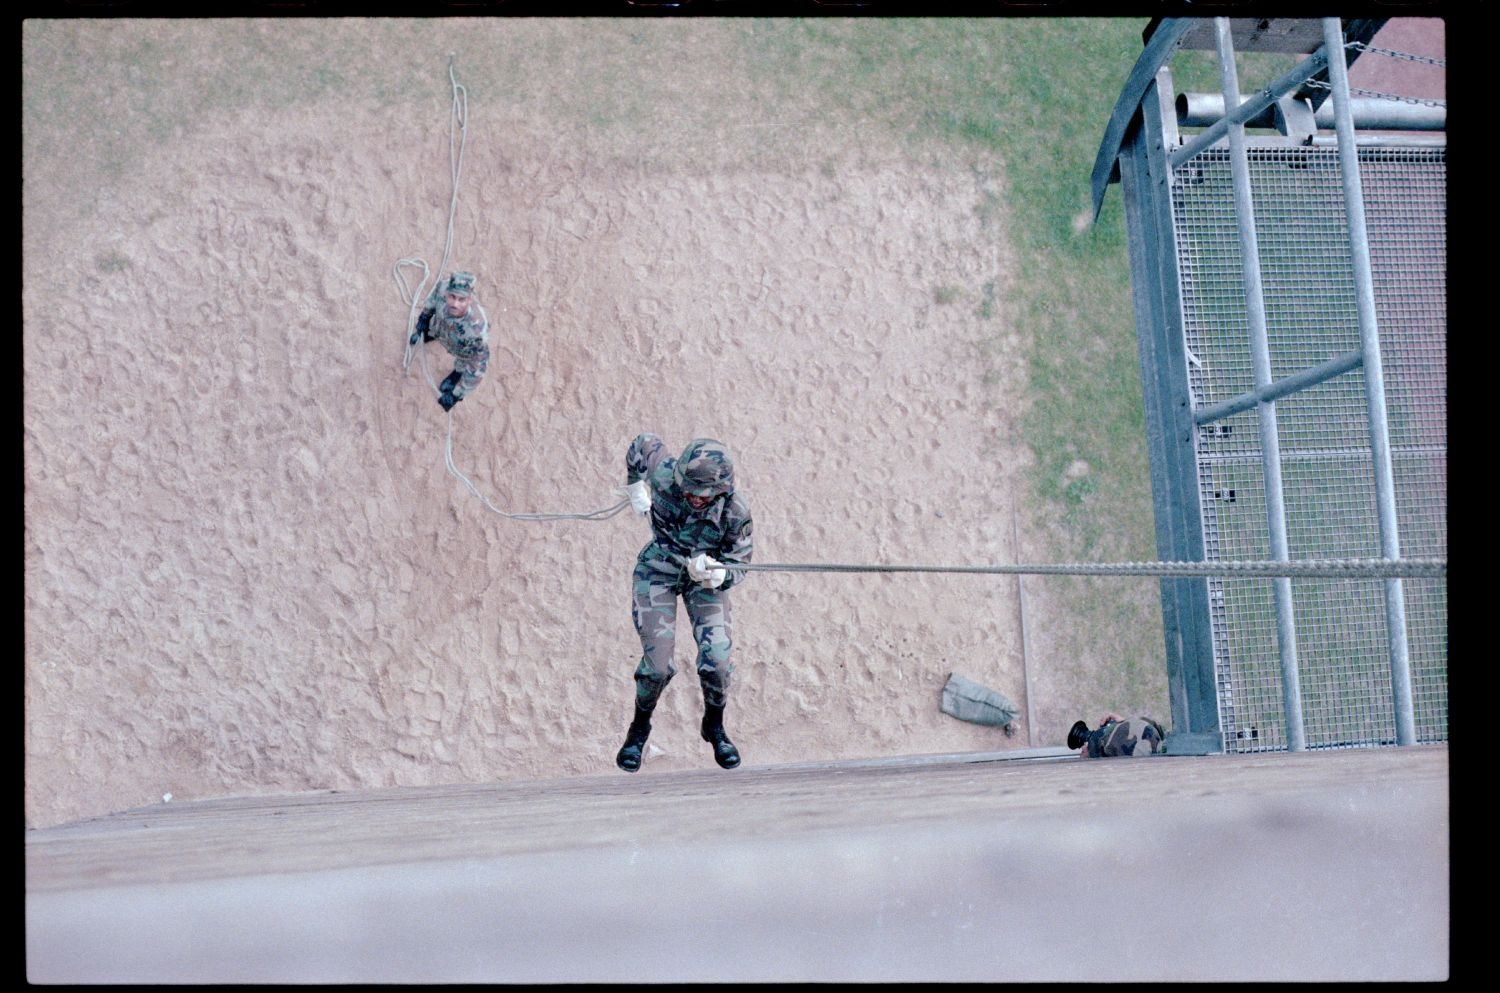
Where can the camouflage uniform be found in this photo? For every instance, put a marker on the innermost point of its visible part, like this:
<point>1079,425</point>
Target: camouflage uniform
<point>466,338</point>
<point>1133,738</point>
<point>722,529</point>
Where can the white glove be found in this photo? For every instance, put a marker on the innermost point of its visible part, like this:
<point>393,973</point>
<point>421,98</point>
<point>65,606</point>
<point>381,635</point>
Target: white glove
<point>639,494</point>
<point>706,571</point>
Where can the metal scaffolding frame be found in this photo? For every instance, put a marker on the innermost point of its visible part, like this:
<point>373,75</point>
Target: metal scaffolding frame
<point>1267,276</point>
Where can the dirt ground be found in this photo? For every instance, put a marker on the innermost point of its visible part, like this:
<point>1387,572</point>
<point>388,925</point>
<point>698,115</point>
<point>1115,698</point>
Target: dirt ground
<point>246,568</point>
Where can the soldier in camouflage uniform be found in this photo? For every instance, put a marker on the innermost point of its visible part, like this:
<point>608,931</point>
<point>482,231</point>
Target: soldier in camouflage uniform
<point>1116,736</point>
<point>454,317</point>
<point>701,531</point>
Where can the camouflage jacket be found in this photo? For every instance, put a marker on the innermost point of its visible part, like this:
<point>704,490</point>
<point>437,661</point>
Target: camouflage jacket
<point>1135,738</point>
<point>466,337</point>
<point>722,529</point>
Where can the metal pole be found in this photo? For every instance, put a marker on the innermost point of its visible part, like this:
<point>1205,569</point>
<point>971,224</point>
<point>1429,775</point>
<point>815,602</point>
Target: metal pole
<point>1369,341</point>
<point>1260,351</point>
<point>1305,379</point>
<point>1201,110</point>
<point>1015,540</point>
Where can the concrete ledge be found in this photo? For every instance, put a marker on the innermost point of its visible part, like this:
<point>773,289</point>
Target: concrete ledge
<point>930,868</point>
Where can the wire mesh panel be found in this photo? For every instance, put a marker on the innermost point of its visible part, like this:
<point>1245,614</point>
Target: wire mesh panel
<point>1327,466</point>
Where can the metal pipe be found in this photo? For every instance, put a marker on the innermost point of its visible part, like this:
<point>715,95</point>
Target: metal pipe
<point>1299,74</point>
<point>1369,342</point>
<point>1381,141</point>
<point>1201,110</point>
<point>1291,384</point>
<point>1260,352</point>
<point>1015,538</point>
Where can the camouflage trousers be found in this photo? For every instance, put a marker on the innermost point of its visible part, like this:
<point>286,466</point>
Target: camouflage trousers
<point>657,583</point>
<point>471,369</point>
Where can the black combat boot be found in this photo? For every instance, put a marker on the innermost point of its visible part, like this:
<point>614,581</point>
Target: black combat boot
<point>629,758</point>
<point>713,732</point>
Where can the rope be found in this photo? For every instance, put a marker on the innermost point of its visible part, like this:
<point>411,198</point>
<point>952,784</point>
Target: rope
<point>1301,568</point>
<point>592,515</point>
<point>458,134</point>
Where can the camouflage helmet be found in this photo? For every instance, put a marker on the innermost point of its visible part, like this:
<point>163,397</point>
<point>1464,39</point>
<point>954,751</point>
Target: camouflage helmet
<point>460,284</point>
<point>705,469</point>
<point>1078,734</point>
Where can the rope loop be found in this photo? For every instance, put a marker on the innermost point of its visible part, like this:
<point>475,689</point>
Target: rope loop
<point>458,133</point>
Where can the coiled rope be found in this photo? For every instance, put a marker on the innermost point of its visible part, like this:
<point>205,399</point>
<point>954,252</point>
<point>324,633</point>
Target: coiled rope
<point>458,133</point>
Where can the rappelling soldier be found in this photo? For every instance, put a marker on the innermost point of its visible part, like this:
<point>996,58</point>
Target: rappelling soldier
<point>700,531</point>
<point>452,315</point>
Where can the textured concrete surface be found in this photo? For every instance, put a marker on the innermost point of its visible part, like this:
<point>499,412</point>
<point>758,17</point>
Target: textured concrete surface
<point>1316,866</point>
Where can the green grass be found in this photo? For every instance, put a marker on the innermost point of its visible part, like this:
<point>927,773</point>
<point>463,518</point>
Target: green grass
<point>1038,93</point>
